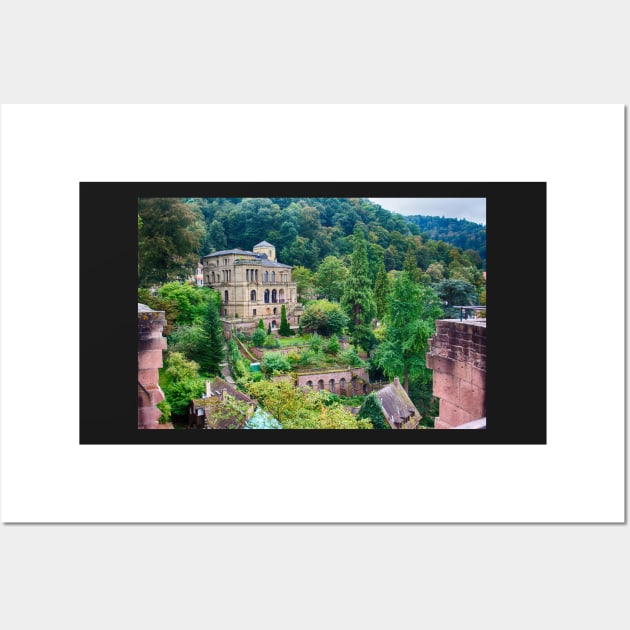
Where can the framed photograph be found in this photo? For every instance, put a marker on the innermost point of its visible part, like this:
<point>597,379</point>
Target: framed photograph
<point>339,313</point>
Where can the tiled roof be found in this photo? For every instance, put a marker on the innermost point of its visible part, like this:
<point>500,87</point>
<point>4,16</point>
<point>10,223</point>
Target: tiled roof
<point>272,263</point>
<point>396,404</point>
<point>230,251</point>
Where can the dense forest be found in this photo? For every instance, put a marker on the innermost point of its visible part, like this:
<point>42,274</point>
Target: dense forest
<point>305,232</point>
<point>459,232</point>
<point>365,275</point>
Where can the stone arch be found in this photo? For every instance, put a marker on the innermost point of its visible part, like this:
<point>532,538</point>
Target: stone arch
<point>320,384</point>
<point>309,384</point>
<point>342,385</point>
<point>273,323</point>
<point>275,310</point>
<point>331,385</point>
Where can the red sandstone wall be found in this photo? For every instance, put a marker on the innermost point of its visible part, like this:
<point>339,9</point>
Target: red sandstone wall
<point>457,357</point>
<point>151,343</point>
<point>360,373</point>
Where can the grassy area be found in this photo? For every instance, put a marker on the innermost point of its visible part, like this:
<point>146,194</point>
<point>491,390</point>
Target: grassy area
<point>294,341</point>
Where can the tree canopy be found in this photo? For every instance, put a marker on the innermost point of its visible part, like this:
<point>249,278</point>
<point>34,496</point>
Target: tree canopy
<point>169,239</point>
<point>410,322</point>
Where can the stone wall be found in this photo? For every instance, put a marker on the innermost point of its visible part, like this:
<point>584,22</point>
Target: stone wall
<point>457,356</point>
<point>337,381</point>
<point>151,343</point>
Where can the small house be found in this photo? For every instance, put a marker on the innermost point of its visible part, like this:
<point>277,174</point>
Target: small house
<point>222,406</point>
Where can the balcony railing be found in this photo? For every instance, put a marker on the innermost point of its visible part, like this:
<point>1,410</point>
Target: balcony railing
<point>463,311</point>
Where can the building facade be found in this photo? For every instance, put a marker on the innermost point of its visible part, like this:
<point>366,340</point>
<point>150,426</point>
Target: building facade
<point>252,285</point>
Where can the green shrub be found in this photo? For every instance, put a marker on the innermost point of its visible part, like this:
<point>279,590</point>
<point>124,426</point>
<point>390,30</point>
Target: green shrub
<point>276,362</point>
<point>271,342</point>
<point>165,408</point>
<point>349,357</point>
<point>333,346</point>
<point>258,337</point>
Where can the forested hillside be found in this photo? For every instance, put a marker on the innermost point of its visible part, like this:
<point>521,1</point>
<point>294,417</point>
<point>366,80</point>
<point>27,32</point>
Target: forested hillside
<point>458,232</point>
<point>177,232</point>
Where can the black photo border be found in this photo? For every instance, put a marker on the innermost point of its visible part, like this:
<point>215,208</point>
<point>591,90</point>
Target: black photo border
<point>516,222</point>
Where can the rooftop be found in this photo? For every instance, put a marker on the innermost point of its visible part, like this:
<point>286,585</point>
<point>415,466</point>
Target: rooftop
<point>397,405</point>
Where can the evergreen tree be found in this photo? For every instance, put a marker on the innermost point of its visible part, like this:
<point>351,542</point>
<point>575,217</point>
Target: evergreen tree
<point>261,324</point>
<point>358,298</point>
<point>211,353</point>
<point>381,291</point>
<point>371,410</point>
<point>285,329</point>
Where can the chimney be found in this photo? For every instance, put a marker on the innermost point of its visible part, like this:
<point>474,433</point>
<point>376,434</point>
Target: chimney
<point>208,392</point>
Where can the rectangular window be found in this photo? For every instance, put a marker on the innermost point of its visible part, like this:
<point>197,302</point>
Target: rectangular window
<point>254,311</point>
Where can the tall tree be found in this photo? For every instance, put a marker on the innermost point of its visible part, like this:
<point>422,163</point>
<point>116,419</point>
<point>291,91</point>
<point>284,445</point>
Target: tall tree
<point>455,293</point>
<point>285,329</point>
<point>358,298</point>
<point>381,292</point>
<point>410,321</point>
<point>169,241</point>
<point>410,265</point>
<point>212,353</point>
<point>330,278</point>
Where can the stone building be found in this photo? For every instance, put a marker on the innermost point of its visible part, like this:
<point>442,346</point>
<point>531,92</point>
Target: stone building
<point>252,285</point>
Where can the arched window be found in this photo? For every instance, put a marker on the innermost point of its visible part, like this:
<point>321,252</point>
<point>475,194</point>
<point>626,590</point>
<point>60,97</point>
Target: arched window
<point>213,276</point>
<point>331,385</point>
<point>309,383</point>
<point>266,295</point>
<point>274,297</point>
<point>342,385</point>
<point>320,384</point>
<point>252,296</point>
<point>226,297</point>
<point>273,323</point>
<point>273,276</point>
<point>275,310</point>
<point>281,296</point>
<point>266,276</point>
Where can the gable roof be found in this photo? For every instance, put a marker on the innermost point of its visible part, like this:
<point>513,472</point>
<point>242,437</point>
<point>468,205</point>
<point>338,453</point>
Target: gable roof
<point>215,408</point>
<point>397,406</point>
<point>264,244</point>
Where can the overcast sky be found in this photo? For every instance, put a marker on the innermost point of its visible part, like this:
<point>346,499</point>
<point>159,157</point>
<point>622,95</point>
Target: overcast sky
<point>463,208</point>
